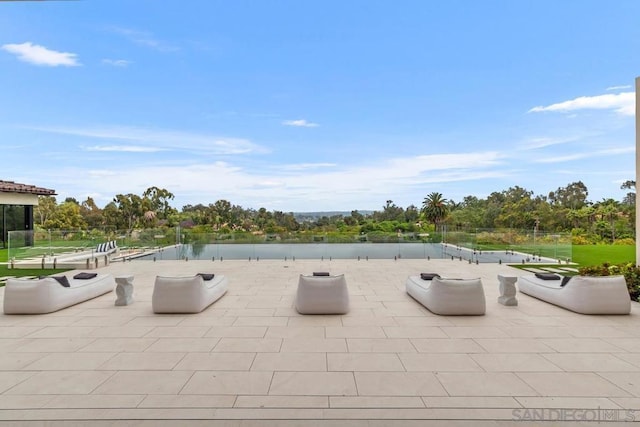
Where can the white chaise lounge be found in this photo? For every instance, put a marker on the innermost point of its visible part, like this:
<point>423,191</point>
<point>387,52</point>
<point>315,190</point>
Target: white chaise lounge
<point>582,294</point>
<point>46,295</point>
<point>322,294</point>
<point>458,297</point>
<point>190,294</point>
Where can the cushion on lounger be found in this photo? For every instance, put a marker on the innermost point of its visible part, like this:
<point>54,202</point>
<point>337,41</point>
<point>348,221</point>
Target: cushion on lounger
<point>85,276</point>
<point>206,276</point>
<point>547,276</point>
<point>62,280</point>
<point>321,273</point>
<point>428,276</point>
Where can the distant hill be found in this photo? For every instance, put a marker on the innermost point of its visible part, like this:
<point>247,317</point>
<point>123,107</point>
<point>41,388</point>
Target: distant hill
<point>313,216</point>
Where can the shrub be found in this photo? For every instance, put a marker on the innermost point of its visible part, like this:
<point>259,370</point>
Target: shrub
<point>625,241</point>
<point>580,240</point>
<point>630,271</point>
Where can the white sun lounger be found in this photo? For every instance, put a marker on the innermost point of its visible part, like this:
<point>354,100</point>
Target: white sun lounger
<point>582,294</point>
<point>322,295</point>
<point>448,296</point>
<point>190,294</point>
<point>46,295</point>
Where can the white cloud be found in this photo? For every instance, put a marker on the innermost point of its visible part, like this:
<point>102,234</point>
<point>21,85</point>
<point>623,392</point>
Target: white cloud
<point>101,173</point>
<point>361,186</point>
<point>40,55</point>
<point>586,155</point>
<point>542,142</point>
<point>124,148</point>
<point>300,123</point>
<point>145,39</point>
<point>307,166</point>
<point>116,62</point>
<point>161,139</point>
<point>434,162</point>
<point>622,103</point>
<point>269,184</point>
<point>619,87</point>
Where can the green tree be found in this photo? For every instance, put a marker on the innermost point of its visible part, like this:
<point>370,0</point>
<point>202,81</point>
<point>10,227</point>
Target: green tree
<point>112,218</point>
<point>573,196</point>
<point>630,198</point>
<point>411,214</point>
<point>158,199</point>
<point>517,209</point>
<point>262,218</point>
<point>197,213</point>
<point>390,212</point>
<point>608,211</point>
<point>358,217</point>
<point>286,221</point>
<point>66,217</point>
<point>130,208</point>
<point>91,213</point>
<point>469,215</point>
<point>46,208</point>
<point>222,212</point>
<point>435,208</point>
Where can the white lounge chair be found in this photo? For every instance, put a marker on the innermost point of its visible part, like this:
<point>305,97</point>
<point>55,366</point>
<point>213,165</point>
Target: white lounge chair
<point>46,295</point>
<point>448,296</point>
<point>322,294</point>
<point>190,294</point>
<point>582,294</point>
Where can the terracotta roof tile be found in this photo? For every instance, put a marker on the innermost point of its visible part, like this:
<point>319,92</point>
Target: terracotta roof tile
<point>14,187</point>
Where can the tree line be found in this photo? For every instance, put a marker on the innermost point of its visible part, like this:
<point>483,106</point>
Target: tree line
<point>566,209</point>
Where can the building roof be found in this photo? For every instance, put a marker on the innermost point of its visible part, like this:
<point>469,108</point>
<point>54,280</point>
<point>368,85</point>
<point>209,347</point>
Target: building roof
<point>14,187</point>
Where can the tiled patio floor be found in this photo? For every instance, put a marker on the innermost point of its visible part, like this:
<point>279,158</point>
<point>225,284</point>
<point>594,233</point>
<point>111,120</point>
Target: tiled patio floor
<point>251,359</point>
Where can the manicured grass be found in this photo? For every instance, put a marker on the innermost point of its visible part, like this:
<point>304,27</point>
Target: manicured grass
<point>22,272</point>
<point>590,255</point>
<point>586,255</point>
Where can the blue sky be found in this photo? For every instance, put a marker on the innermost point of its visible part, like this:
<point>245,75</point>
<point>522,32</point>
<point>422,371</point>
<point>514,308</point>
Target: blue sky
<point>318,105</point>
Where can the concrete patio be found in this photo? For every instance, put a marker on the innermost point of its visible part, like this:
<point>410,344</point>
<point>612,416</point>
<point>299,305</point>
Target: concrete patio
<point>251,360</point>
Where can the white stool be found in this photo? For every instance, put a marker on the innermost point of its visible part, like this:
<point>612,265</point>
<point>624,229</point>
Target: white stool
<point>507,289</point>
<point>124,290</point>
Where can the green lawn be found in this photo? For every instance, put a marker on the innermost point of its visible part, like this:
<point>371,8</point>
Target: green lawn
<point>22,272</point>
<point>598,254</point>
<point>3,255</point>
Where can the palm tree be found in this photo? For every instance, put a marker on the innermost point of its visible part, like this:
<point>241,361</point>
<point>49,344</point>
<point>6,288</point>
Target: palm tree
<point>435,208</point>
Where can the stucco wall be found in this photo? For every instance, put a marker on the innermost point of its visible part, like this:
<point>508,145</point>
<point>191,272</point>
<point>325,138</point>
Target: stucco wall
<point>18,199</point>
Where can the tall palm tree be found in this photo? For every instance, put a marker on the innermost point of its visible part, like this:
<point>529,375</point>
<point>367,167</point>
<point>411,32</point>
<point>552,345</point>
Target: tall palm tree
<point>435,208</point>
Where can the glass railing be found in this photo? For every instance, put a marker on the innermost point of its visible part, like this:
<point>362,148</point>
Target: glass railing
<point>175,243</point>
